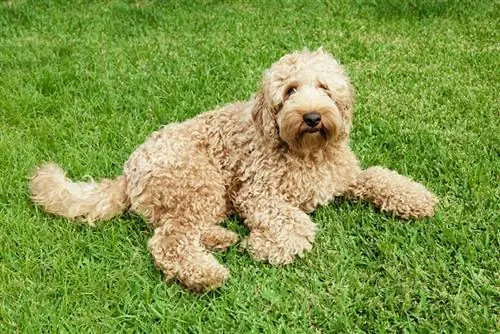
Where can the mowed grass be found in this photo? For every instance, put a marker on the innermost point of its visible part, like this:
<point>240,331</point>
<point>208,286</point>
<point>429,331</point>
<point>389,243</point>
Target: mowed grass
<point>82,83</point>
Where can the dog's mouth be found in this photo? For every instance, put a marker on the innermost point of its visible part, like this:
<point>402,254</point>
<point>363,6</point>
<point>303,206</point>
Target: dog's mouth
<point>312,130</point>
<point>319,129</point>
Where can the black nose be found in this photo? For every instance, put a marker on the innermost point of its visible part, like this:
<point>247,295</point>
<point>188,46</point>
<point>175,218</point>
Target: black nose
<point>312,118</point>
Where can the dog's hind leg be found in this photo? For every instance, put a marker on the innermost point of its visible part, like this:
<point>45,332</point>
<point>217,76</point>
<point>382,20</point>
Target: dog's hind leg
<point>180,254</point>
<point>185,205</point>
<point>218,238</point>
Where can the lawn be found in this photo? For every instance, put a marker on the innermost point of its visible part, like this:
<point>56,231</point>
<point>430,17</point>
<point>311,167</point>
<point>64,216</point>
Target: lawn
<point>83,83</point>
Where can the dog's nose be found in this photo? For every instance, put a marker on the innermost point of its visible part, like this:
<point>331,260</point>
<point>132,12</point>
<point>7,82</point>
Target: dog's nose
<point>312,118</point>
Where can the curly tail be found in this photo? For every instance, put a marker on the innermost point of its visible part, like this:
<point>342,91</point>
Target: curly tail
<point>89,201</point>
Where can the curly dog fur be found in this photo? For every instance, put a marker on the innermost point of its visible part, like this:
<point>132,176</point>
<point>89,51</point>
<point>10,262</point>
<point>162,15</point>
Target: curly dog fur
<point>271,160</point>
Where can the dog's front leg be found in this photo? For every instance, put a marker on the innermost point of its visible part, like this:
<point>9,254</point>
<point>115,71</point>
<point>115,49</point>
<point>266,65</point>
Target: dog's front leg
<point>392,192</point>
<point>279,231</point>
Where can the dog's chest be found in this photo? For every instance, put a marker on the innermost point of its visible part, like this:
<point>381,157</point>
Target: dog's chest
<point>308,187</point>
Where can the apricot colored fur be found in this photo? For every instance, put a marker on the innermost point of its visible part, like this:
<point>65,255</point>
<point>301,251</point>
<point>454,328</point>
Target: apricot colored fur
<point>258,159</point>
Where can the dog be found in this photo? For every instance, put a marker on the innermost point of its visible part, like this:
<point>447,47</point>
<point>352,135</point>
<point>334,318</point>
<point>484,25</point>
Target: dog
<point>271,160</point>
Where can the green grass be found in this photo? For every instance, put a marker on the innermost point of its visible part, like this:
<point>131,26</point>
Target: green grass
<point>83,83</point>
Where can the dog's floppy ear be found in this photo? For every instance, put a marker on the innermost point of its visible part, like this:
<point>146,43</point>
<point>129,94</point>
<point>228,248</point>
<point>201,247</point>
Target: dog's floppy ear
<point>257,110</point>
<point>345,104</point>
<point>263,114</point>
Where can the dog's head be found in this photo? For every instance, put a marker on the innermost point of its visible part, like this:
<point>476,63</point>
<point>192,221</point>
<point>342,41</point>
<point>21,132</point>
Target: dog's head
<point>306,101</point>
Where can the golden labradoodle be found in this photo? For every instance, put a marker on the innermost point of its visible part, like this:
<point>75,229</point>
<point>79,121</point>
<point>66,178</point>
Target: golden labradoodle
<point>270,160</point>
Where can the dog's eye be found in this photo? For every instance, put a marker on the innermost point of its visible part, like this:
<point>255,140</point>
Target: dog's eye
<point>290,91</point>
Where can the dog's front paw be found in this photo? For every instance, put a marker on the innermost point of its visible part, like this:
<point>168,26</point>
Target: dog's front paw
<point>278,248</point>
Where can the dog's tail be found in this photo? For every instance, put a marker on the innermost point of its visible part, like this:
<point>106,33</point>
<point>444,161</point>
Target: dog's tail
<point>89,201</point>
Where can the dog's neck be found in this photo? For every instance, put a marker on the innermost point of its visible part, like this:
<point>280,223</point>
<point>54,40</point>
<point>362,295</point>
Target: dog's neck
<point>328,152</point>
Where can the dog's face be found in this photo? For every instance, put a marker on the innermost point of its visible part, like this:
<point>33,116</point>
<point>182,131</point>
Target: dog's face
<point>305,101</point>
